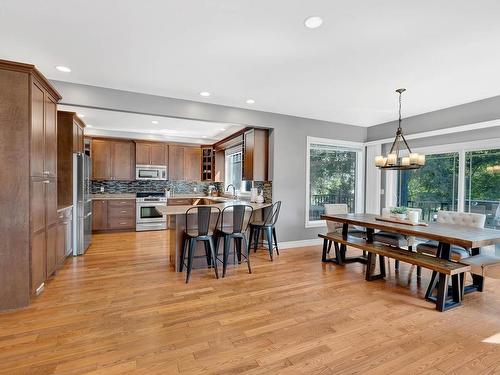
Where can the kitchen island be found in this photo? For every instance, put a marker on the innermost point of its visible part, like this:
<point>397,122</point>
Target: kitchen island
<point>176,224</point>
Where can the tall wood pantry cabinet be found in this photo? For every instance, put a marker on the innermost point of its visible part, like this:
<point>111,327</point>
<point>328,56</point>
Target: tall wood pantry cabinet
<point>28,171</point>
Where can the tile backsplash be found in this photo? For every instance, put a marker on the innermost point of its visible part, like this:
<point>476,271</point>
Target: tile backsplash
<point>179,187</point>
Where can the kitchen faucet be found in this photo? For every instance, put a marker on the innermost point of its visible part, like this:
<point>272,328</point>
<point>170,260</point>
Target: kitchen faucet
<point>234,190</point>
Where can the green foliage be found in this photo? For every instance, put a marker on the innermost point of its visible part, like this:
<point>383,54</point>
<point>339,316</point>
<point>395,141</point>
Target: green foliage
<point>484,185</point>
<point>399,210</point>
<point>332,171</point>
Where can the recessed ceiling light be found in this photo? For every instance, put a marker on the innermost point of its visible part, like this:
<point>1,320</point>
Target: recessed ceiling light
<point>155,122</point>
<point>63,69</point>
<point>222,129</point>
<point>250,101</point>
<point>90,126</point>
<point>203,136</point>
<point>204,93</point>
<point>81,115</point>
<point>313,22</point>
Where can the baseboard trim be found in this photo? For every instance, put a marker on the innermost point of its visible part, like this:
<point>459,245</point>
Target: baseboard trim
<point>300,243</point>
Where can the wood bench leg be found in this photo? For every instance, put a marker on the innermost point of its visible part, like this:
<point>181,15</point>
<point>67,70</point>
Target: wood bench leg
<point>432,286</point>
<point>371,263</point>
<point>326,250</point>
<point>442,292</point>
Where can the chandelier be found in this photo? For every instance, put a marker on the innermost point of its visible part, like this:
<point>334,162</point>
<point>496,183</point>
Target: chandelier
<point>400,157</point>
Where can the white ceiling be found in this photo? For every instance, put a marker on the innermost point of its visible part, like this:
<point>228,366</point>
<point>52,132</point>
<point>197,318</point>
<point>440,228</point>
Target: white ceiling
<point>137,126</point>
<point>445,52</point>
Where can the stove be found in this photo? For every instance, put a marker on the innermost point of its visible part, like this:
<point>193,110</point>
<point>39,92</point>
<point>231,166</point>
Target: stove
<point>147,216</point>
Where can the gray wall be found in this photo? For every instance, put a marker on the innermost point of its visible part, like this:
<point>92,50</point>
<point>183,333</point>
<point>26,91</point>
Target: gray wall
<point>470,113</point>
<point>288,139</point>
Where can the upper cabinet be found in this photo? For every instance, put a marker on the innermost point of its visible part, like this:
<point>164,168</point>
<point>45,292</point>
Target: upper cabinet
<point>151,153</point>
<point>207,163</point>
<point>255,155</point>
<point>113,160</point>
<point>184,163</point>
<point>69,140</point>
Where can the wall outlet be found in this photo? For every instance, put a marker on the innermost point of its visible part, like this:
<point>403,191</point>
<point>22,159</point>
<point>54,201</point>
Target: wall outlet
<point>101,189</point>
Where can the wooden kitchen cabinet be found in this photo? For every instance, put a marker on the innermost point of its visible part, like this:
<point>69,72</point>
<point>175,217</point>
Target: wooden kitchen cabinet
<point>64,235</point>
<point>151,153</point>
<point>184,163</point>
<point>175,163</point>
<point>101,159</point>
<point>28,163</point>
<point>78,136</point>
<point>255,155</point>
<point>192,161</point>
<point>122,160</point>
<point>113,214</point>
<point>69,140</point>
<point>99,214</point>
<point>113,160</point>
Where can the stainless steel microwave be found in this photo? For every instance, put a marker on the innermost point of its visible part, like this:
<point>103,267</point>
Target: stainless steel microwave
<point>150,172</point>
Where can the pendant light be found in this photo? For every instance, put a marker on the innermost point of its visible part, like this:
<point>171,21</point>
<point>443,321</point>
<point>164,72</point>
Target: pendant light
<point>400,157</point>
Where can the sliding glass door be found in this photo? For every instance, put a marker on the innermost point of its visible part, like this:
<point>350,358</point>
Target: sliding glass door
<point>482,185</point>
<point>433,187</point>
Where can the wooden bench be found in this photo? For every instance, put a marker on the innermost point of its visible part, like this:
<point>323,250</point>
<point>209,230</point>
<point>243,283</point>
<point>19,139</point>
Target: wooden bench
<point>445,268</point>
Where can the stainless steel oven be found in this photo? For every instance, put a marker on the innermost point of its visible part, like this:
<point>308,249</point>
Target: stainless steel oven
<point>150,172</point>
<point>148,217</point>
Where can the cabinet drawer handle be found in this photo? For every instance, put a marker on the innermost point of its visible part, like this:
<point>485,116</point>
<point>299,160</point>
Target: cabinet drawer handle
<point>46,172</point>
<point>46,181</point>
<point>123,223</point>
<point>124,211</point>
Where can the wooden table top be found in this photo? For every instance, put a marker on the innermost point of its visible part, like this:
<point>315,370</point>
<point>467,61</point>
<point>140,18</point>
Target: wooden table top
<point>453,234</point>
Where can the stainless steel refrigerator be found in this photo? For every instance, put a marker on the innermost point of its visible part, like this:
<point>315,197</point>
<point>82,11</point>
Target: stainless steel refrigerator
<point>82,203</point>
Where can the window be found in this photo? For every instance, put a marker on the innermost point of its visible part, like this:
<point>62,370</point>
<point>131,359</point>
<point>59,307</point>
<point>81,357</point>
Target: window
<point>234,170</point>
<point>334,175</point>
<point>432,188</point>
<point>456,177</point>
<point>482,185</point>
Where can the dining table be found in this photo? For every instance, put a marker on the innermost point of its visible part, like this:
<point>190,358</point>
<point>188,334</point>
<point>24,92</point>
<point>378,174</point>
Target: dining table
<point>445,234</point>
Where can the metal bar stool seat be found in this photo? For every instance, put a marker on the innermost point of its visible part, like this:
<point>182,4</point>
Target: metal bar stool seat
<point>201,230</point>
<point>267,226</point>
<point>241,215</point>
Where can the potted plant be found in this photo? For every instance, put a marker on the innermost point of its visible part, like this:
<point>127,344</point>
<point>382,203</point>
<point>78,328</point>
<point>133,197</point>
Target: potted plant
<point>399,212</point>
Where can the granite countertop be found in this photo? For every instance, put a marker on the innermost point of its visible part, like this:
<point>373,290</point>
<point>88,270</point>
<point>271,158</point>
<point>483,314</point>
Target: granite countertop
<point>224,202</point>
<point>107,196</point>
<point>63,207</point>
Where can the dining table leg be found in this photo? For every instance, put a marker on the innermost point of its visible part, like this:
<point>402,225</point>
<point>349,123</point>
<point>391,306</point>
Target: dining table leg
<point>477,280</point>
<point>441,282</point>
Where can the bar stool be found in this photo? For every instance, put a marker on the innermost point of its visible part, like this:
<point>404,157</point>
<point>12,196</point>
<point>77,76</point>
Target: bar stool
<point>268,227</point>
<point>200,231</point>
<point>241,215</point>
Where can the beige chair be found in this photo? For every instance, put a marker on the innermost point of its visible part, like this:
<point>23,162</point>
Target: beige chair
<point>398,240</point>
<point>466,219</point>
<point>484,265</point>
<point>457,253</point>
<point>335,227</point>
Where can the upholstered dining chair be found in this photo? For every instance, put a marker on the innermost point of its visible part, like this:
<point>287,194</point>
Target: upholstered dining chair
<point>398,240</point>
<point>335,227</point>
<point>465,219</point>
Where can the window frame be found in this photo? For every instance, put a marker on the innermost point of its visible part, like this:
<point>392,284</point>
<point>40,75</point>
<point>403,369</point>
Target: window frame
<point>359,148</point>
<point>461,148</point>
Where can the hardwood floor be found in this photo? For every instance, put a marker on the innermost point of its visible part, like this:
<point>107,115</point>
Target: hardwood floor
<point>120,309</point>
